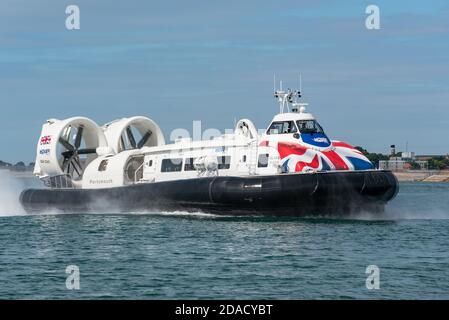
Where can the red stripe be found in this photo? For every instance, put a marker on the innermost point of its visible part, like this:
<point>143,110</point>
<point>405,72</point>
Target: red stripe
<point>342,144</point>
<point>313,164</point>
<point>286,149</point>
<point>345,145</point>
<point>336,160</point>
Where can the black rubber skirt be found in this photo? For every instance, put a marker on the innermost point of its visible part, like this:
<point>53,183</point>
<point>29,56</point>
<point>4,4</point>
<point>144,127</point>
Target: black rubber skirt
<point>326,193</point>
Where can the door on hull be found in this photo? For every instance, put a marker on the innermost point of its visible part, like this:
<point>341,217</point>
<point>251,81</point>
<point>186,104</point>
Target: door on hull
<point>149,172</point>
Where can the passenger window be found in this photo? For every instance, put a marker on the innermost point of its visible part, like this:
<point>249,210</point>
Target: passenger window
<point>150,163</point>
<point>188,164</point>
<point>103,165</point>
<point>282,127</point>
<point>224,162</point>
<point>262,162</point>
<point>171,165</point>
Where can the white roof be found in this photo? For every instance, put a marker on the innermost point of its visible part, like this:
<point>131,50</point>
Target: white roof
<point>293,116</point>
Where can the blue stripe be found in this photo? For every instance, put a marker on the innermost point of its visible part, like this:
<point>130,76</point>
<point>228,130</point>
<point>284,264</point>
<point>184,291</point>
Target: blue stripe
<point>325,166</point>
<point>285,166</point>
<point>360,164</point>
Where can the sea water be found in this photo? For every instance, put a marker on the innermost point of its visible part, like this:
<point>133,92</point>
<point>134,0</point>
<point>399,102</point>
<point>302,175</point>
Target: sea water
<point>178,255</point>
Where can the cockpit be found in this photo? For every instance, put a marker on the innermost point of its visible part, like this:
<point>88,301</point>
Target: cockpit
<point>309,126</point>
<point>282,127</point>
<point>301,126</point>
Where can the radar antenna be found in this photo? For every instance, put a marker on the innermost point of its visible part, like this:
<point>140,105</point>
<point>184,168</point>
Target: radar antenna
<point>286,98</point>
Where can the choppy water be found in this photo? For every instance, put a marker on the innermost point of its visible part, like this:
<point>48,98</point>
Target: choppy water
<point>178,255</point>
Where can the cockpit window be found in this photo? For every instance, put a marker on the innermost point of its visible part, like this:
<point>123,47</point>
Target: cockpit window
<point>309,126</point>
<point>281,127</point>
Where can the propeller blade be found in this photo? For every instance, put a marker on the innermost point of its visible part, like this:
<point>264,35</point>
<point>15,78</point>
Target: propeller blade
<point>131,139</point>
<point>77,162</point>
<point>74,167</point>
<point>68,154</point>
<point>144,139</point>
<point>122,141</point>
<point>79,136</point>
<point>64,163</point>
<point>66,144</point>
<point>86,151</point>
<point>66,133</point>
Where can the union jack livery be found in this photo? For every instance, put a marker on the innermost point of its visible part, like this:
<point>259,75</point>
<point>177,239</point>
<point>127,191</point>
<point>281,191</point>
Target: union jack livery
<point>45,140</point>
<point>339,156</point>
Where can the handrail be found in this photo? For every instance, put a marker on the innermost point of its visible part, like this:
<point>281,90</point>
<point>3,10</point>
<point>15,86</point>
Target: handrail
<point>62,181</point>
<point>135,173</point>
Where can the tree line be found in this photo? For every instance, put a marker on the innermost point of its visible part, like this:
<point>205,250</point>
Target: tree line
<point>19,166</point>
<point>435,163</point>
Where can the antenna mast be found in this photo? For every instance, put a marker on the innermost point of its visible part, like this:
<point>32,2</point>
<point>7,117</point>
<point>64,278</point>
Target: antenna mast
<point>285,98</point>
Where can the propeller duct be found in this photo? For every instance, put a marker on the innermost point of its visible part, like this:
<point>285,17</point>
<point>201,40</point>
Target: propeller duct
<point>133,133</point>
<point>66,147</point>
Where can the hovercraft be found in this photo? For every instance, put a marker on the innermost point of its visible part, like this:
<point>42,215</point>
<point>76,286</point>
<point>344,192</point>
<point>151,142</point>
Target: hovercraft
<point>292,168</point>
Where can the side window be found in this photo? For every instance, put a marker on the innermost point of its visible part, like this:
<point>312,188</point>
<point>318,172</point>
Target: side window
<point>282,127</point>
<point>224,162</point>
<point>188,164</point>
<point>262,162</point>
<point>171,165</point>
<point>103,165</point>
<point>275,128</point>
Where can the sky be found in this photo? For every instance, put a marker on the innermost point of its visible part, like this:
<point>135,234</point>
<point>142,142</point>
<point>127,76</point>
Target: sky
<point>179,61</point>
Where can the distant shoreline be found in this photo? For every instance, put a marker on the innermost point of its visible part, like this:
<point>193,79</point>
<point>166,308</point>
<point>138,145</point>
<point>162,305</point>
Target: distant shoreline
<point>19,174</point>
<point>422,176</point>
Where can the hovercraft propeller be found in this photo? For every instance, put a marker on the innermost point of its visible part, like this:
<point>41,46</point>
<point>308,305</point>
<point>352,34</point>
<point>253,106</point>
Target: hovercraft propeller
<point>72,164</point>
<point>132,144</point>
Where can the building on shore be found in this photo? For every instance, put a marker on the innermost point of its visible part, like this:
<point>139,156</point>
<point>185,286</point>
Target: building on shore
<point>403,161</point>
<point>399,164</point>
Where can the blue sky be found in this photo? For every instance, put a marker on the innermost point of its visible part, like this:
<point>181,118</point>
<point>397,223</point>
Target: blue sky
<point>178,61</point>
